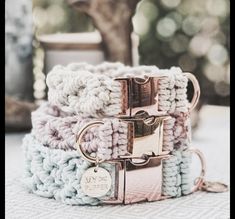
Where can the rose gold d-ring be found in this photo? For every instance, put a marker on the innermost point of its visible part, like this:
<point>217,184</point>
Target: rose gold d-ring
<point>196,87</point>
<point>79,140</point>
<point>199,180</point>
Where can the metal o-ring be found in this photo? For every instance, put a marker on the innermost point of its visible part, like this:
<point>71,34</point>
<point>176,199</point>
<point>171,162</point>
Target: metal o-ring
<point>199,180</point>
<point>80,134</point>
<point>196,87</point>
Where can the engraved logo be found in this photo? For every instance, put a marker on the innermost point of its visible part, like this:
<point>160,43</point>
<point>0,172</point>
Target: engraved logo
<point>96,182</point>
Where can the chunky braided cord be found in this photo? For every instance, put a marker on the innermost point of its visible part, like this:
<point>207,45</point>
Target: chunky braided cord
<point>176,174</point>
<point>85,90</point>
<point>173,93</point>
<point>177,132</point>
<point>57,129</point>
<point>55,173</point>
<point>77,88</point>
<point>89,90</point>
<point>54,129</point>
<point>92,91</point>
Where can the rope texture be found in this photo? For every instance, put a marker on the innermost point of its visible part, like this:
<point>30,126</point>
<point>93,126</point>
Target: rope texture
<point>57,129</point>
<point>176,170</point>
<point>55,173</point>
<point>92,91</point>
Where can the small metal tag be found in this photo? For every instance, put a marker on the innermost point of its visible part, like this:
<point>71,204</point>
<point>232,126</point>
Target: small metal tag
<point>96,182</point>
<point>214,187</point>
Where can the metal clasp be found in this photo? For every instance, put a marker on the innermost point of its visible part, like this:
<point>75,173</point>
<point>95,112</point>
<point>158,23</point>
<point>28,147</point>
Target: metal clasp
<point>143,181</point>
<point>139,94</point>
<point>136,182</point>
<point>142,94</point>
<point>146,133</point>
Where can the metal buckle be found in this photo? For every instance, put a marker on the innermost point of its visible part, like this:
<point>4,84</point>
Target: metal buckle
<point>139,94</point>
<point>136,182</point>
<point>142,94</point>
<point>143,181</point>
<point>146,133</point>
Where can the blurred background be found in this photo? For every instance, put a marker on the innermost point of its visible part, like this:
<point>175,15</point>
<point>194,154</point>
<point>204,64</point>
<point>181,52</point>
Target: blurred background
<point>194,35</point>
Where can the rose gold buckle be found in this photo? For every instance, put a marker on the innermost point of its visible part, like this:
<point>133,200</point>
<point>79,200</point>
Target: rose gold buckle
<point>144,180</point>
<point>139,94</point>
<point>146,133</point>
<point>136,182</point>
<point>142,94</point>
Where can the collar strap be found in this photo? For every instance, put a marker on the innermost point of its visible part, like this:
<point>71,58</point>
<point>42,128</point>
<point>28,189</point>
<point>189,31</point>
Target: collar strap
<point>111,89</point>
<point>108,138</point>
<point>57,174</point>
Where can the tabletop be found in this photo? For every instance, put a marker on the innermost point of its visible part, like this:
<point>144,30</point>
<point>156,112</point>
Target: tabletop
<point>211,137</point>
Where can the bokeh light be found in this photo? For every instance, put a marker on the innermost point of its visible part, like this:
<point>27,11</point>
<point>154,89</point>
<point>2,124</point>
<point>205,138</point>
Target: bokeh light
<point>210,26</point>
<point>214,73</point>
<point>148,9</point>
<point>199,45</point>
<point>195,36</point>
<point>179,43</point>
<point>218,8</point>
<point>170,3</point>
<point>187,33</point>
<point>140,24</point>
<point>177,17</point>
<point>222,88</point>
<point>191,25</point>
<point>39,17</point>
<point>217,54</point>
<point>56,15</point>
<point>166,27</point>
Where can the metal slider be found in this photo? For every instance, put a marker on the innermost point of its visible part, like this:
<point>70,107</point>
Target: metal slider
<point>143,181</point>
<point>136,182</point>
<point>146,134</point>
<point>139,94</point>
<point>142,93</point>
